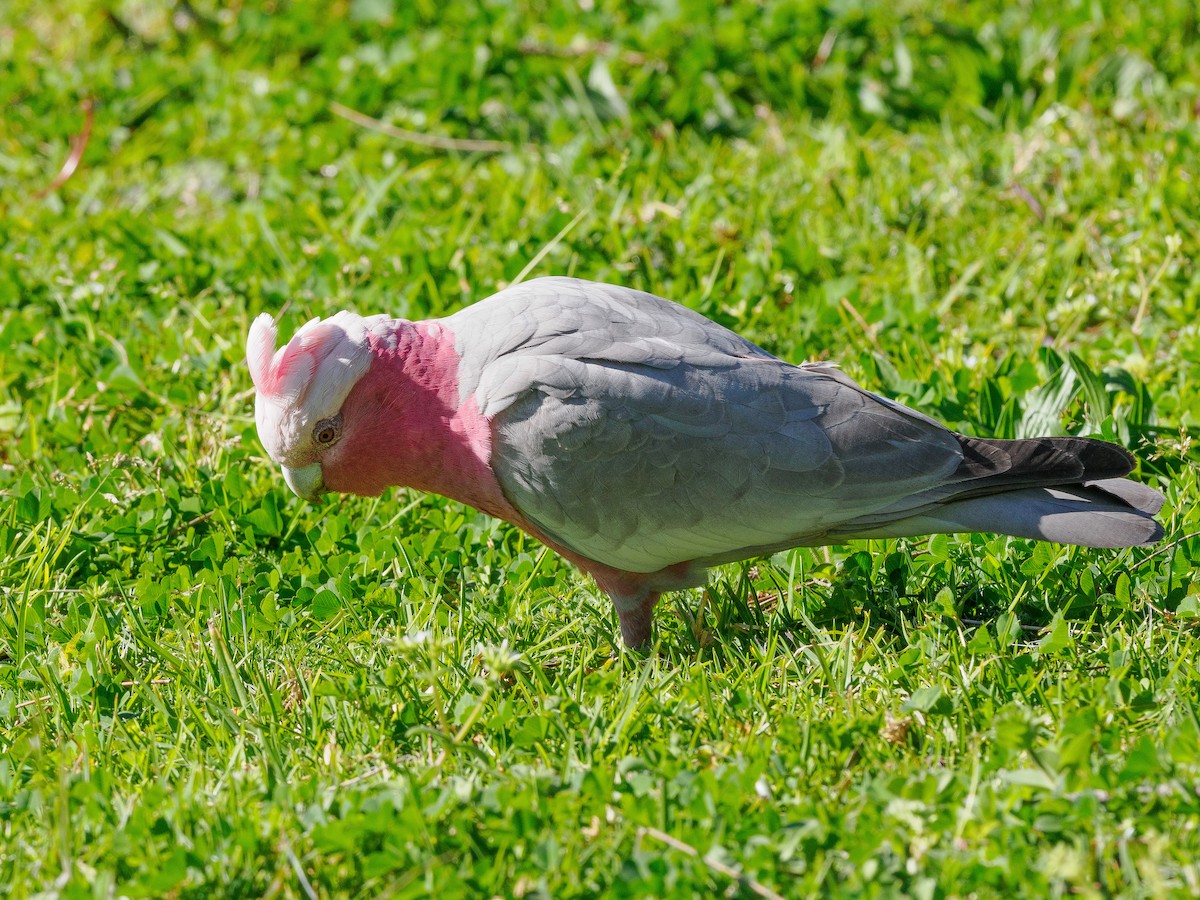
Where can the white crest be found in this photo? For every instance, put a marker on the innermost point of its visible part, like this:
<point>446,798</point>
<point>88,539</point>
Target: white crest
<point>308,379</point>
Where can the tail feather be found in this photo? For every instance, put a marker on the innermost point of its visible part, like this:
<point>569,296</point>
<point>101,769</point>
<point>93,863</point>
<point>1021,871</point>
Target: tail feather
<point>1086,516</point>
<point>1065,490</point>
<point>1139,496</point>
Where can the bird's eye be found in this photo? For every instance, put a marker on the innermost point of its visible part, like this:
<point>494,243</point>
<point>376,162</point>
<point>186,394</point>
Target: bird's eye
<point>328,430</point>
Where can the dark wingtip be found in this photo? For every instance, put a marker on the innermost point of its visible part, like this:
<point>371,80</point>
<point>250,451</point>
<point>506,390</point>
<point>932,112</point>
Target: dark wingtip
<point>1043,460</point>
<point>1102,459</point>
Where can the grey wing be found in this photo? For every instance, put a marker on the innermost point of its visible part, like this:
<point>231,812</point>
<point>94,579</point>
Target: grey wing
<point>640,467</point>
<point>508,341</point>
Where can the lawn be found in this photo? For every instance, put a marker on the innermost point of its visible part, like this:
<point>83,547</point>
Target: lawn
<point>989,211</point>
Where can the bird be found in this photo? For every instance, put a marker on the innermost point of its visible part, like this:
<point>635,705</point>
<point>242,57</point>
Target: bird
<point>646,443</point>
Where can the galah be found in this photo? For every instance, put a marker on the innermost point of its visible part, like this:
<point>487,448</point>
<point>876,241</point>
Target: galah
<point>646,443</point>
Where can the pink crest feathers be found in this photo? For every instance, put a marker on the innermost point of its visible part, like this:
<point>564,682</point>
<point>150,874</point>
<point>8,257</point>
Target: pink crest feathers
<point>310,377</point>
<point>284,374</point>
<point>288,373</point>
<point>260,348</point>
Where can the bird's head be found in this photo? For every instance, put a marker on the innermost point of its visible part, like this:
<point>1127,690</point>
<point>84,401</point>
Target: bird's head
<point>301,388</point>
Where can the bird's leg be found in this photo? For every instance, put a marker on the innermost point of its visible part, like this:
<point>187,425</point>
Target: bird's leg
<point>635,617</point>
<point>634,594</point>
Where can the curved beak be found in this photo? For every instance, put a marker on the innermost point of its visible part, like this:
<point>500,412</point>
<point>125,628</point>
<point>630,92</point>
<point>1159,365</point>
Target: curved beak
<point>307,482</point>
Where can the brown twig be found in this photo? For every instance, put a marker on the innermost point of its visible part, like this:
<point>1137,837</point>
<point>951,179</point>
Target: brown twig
<point>868,329</point>
<point>79,144</point>
<point>825,50</point>
<point>437,142</point>
<point>196,521</point>
<point>1022,194</point>
<point>1166,548</point>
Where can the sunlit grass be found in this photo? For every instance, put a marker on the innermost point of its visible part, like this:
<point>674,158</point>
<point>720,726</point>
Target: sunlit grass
<point>210,688</point>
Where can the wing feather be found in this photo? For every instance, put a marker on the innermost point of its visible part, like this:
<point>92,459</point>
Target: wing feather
<point>640,434</point>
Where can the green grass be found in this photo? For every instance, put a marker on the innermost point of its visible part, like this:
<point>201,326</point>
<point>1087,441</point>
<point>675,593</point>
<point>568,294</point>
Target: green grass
<point>986,210</point>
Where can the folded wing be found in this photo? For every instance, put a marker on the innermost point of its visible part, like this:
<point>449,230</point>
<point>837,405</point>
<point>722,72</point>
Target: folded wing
<point>664,438</point>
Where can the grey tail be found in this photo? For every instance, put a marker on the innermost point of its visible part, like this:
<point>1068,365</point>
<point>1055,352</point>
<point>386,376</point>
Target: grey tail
<point>1066,490</point>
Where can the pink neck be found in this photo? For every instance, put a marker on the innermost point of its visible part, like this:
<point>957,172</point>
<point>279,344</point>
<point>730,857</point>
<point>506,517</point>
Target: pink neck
<point>405,425</point>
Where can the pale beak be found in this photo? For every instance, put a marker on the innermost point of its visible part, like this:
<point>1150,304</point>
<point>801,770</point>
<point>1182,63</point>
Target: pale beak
<point>307,482</point>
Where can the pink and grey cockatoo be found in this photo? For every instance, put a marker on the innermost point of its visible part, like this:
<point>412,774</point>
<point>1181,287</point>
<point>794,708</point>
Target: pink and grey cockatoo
<point>646,443</point>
